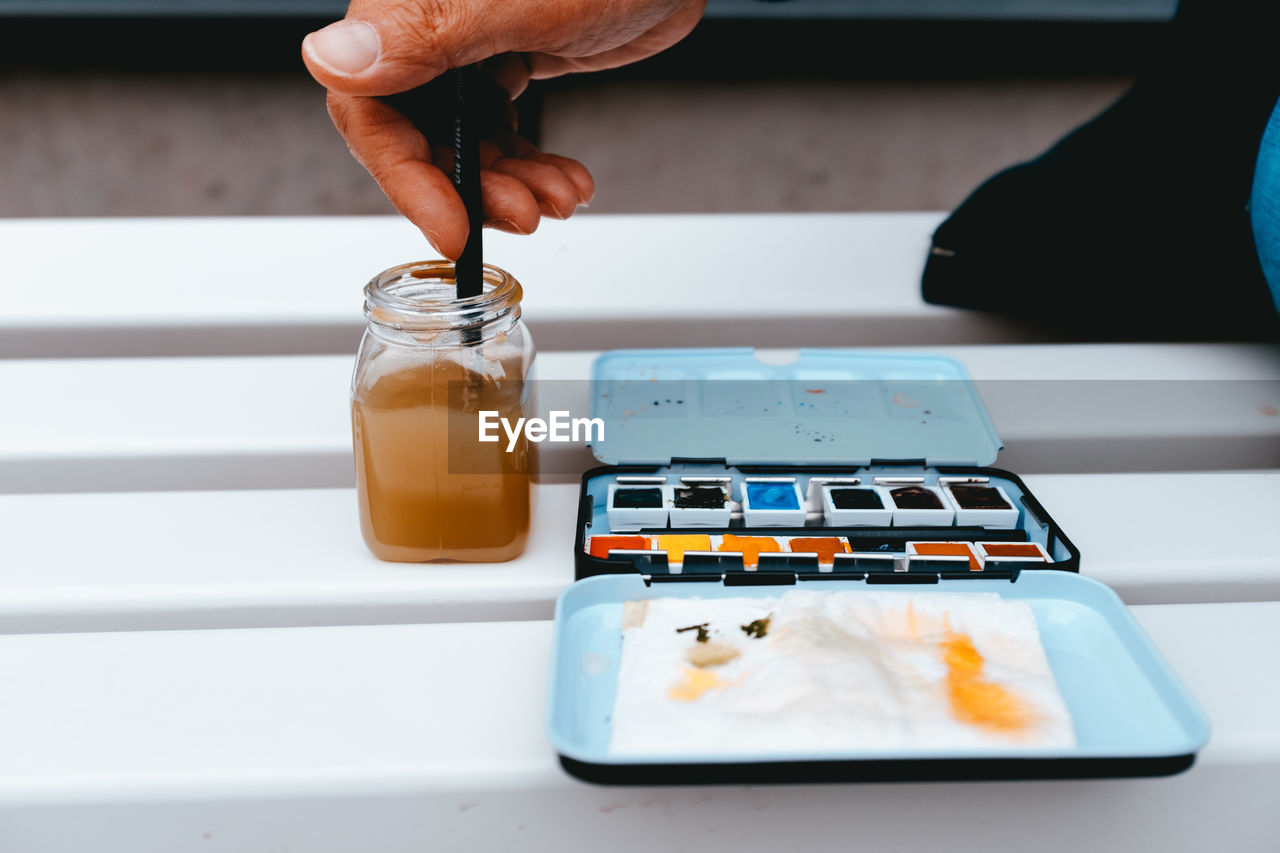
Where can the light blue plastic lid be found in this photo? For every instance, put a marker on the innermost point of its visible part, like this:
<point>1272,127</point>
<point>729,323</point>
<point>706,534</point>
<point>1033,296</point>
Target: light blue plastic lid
<point>828,406</point>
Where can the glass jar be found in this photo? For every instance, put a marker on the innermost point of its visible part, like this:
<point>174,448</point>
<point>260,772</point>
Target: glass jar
<point>428,365</point>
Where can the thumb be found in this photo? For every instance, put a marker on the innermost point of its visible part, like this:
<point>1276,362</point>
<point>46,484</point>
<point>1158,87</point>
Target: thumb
<point>388,46</point>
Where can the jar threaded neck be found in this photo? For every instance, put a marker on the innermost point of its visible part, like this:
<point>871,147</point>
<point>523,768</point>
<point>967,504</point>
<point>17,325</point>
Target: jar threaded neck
<point>422,295</point>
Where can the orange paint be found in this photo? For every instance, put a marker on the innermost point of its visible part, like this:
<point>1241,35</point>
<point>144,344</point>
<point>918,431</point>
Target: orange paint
<point>601,545</point>
<point>675,545</point>
<point>826,547</point>
<point>1012,549</point>
<point>695,683</point>
<point>751,547</point>
<point>913,624</point>
<point>949,549</point>
<point>975,700</point>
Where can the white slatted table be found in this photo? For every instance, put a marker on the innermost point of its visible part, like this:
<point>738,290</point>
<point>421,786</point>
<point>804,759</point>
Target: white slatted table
<point>206,718</point>
<point>165,560</point>
<point>415,737</point>
<point>292,284</point>
<point>263,422</point>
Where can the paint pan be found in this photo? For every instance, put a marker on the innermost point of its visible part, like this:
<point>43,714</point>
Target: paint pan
<point>631,507</point>
<point>600,546</point>
<point>982,505</point>
<point>1013,552</point>
<point>772,502</point>
<point>750,547</point>
<point>853,506</point>
<point>813,489</point>
<point>961,551</point>
<point>700,502</point>
<point>825,547</point>
<point>675,545</point>
<point>920,506</point>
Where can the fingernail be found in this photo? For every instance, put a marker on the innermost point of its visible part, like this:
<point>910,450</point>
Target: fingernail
<point>432,238</point>
<point>347,47</point>
<point>505,225</point>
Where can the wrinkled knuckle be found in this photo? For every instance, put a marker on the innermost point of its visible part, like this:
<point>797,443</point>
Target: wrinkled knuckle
<point>339,110</point>
<point>385,169</point>
<point>427,28</point>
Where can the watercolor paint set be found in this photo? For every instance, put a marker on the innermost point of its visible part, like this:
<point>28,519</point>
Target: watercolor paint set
<point>838,462</point>
<point>735,618</point>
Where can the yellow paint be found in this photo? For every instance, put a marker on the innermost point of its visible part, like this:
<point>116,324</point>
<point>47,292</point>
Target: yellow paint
<point>676,544</point>
<point>696,682</point>
<point>974,700</point>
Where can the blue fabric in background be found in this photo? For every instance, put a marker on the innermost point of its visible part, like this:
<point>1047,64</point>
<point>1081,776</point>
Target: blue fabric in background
<point>1264,204</point>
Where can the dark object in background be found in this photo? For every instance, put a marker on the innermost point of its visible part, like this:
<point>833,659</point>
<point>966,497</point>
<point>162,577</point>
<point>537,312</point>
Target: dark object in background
<point>1136,225</point>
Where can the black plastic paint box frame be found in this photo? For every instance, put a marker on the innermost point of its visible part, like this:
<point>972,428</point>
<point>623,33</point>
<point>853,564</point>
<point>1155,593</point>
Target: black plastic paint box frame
<point>1035,526</point>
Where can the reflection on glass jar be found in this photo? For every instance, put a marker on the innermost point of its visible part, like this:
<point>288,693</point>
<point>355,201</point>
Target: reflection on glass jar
<point>428,365</point>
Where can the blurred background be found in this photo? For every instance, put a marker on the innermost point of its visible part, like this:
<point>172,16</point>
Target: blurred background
<point>202,107</point>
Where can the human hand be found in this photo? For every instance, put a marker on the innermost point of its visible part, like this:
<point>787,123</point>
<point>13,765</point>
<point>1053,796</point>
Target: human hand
<point>383,47</point>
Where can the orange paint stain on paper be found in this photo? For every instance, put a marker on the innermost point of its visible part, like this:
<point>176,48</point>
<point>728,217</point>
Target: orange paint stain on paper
<point>696,682</point>
<point>975,700</point>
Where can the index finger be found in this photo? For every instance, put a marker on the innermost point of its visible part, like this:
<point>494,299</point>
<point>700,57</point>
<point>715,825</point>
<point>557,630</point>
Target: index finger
<point>398,157</point>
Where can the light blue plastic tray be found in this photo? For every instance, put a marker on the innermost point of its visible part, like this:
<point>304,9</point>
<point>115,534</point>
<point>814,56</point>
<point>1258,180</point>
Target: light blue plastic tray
<point>1132,716</point>
<point>829,406</point>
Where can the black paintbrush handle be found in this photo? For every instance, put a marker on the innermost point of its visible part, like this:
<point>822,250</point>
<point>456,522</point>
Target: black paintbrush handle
<point>456,109</point>
<point>469,269</point>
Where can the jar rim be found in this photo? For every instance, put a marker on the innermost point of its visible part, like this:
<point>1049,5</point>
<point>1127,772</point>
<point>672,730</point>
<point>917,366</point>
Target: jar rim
<point>386,305</point>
